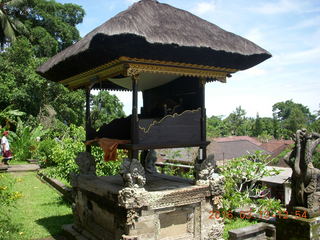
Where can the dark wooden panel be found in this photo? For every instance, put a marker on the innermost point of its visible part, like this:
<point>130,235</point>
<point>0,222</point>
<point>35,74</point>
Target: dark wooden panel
<point>183,91</point>
<point>173,129</point>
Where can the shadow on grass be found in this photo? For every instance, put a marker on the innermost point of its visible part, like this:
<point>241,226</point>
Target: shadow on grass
<point>54,224</point>
<point>60,201</point>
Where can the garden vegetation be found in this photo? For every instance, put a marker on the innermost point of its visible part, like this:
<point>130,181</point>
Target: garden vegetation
<point>46,120</point>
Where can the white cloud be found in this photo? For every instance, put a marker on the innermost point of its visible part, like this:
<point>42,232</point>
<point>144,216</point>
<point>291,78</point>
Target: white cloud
<point>300,57</point>
<point>204,7</point>
<point>307,23</point>
<point>281,6</point>
<point>254,72</point>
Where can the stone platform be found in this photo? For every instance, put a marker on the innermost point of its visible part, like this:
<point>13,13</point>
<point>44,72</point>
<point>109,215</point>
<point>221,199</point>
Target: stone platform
<point>168,208</point>
<point>294,228</point>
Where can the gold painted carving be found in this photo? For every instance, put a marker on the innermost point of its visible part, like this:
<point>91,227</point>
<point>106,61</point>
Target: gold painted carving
<point>177,70</point>
<point>132,66</point>
<point>179,64</point>
<point>102,75</point>
<point>131,71</point>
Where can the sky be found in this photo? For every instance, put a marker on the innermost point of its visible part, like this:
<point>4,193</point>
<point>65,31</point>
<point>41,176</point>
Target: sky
<point>288,29</point>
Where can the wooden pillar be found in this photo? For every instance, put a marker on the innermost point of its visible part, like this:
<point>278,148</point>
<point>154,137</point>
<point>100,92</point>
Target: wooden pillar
<point>88,119</point>
<point>203,149</point>
<point>134,118</point>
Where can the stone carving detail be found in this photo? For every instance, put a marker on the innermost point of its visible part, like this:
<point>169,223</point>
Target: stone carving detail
<point>206,175</point>
<point>216,231</point>
<point>132,173</point>
<point>305,179</point>
<point>217,185</point>
<point>132,216</point>
<point>132,197</point>
<point>162,200</point>
<point>217,201</point>
<point>86,163</point>
<point>125,237</point>
<point>206,170</point>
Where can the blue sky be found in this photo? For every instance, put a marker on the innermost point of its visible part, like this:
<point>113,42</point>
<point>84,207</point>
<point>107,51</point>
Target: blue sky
<point>288,29</point>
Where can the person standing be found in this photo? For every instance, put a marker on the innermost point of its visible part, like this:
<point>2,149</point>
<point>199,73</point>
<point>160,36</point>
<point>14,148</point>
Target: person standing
<point>5,147</point>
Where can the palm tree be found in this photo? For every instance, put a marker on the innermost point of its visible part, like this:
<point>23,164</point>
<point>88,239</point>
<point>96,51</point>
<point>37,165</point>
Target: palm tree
<point>10,25</point>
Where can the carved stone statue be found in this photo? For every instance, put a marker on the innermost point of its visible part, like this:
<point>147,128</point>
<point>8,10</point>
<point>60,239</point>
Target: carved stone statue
<point>86,163</point>
<point>148,160</point>
<point>305,179</point>
<point>132,173</point>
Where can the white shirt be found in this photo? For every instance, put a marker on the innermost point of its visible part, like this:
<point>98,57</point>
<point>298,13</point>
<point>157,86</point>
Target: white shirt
<point>5,141</point>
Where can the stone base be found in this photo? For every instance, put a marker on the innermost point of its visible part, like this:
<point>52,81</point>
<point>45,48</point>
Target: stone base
<point>259,231</point>
<point>296,228</point>
<point>170,208</point>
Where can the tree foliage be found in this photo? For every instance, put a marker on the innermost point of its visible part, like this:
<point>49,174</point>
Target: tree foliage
<point>216,127</point>
<point>104,108</point>
<point>236,120</point>
<point>291,117</point>
<point>9,25</point>
<point>9,116</point>
<point>50,26</point>
<point>287,118</point>
<point>24,90</point>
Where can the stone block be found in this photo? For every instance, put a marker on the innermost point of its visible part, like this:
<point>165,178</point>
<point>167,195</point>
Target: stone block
<point>103,217</point>
<point>173,224</point>
<point>295,228</point>
<point>173,214</point>
<point>260,231</point>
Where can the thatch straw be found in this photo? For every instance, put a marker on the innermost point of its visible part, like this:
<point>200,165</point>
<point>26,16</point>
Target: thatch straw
<point>150,24</point>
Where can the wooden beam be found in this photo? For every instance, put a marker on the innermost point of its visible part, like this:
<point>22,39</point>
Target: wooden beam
<point>134,117</point>
<point>202,84</point>
<point>88,119</point>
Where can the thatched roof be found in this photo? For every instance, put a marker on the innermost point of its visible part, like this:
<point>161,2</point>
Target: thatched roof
<point>152,30</point>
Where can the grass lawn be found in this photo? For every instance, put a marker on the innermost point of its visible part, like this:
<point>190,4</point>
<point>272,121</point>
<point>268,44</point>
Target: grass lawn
<point>234,224</point>
<point>41,211</point>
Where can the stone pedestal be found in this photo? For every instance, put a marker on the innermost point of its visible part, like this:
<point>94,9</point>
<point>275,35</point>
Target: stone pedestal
<point>297,228</point>
<point>169,208</point>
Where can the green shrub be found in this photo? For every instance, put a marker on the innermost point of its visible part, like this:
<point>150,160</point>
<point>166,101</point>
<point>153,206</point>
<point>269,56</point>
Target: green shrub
<point>44,151</point>
<point>24,141</point>
<point>242,176</point>
<point>61,156</point>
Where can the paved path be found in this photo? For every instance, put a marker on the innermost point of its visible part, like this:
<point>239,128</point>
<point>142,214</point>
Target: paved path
<point>23,168</point>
